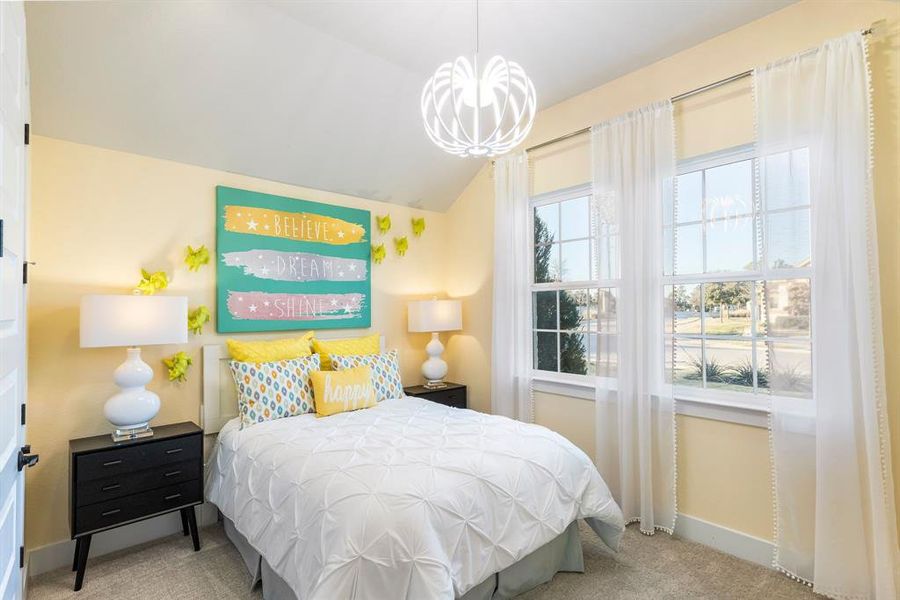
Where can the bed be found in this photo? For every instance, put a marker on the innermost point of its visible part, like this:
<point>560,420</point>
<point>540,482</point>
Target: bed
<point>410,499</point>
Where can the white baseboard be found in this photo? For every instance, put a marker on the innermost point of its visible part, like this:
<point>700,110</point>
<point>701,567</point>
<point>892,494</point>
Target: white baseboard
<point>53,556</point>
<point>723,539</point>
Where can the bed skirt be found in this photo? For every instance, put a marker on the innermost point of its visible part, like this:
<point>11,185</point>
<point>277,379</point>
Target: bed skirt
<point>562,553</point>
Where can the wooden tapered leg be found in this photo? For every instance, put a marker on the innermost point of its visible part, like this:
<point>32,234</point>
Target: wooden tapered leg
<point>185,529</point>
<point>83,551</point>
<point>192,523</point>
<point>75,556</point>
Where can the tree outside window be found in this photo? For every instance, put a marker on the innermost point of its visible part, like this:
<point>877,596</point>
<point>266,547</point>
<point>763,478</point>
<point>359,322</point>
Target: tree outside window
<point>571,347</point>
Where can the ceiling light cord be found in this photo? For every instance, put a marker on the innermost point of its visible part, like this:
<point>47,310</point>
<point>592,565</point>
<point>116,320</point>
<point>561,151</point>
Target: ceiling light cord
<point>477,116</point>
<point>476,29</point>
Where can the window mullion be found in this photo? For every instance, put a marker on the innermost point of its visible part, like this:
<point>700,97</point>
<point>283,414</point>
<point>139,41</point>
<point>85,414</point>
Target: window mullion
<point>703,232</point>
<point>558,319</point>
<point>703,334</point>
<point>753,331</point>
<point>754,290</point>
<point>558,338</point>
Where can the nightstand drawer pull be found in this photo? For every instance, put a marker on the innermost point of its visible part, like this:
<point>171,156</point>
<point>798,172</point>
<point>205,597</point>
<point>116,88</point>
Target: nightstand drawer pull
<point>109,488</point>
<point>112,463</point>
<point>174,450</point>
<point>110,513</point>
<point>172,497</point>
<point>172,473</point>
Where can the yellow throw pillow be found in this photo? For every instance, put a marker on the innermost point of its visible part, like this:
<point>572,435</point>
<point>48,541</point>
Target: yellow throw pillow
<point>265,351</point>
<point>342,391</point>
<point>370,344</point>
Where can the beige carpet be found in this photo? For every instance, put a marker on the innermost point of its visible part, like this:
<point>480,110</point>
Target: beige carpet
<point>646,567</point>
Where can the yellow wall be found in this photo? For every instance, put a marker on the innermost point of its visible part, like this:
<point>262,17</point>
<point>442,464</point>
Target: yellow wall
<point>469,272</point>
<point>724,475</point>
<point>97,217</point>
<point>723,468</point>
<point>573,417</point>
<point>706,450</point>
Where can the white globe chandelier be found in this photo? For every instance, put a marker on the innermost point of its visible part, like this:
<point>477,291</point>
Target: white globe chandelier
<point>472,113</point>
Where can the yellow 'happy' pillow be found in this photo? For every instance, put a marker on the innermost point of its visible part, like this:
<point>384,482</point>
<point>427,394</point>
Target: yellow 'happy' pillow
<point>370,344</point>
<point>342,391</point>
<point>266,351</point>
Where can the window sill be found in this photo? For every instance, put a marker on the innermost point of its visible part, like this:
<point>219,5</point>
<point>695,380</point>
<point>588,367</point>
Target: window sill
<point>582,388</point>
<point>726,410</point>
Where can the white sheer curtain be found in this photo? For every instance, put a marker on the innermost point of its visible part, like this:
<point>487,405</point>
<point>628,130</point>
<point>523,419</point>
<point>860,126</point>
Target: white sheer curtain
<point>633,167</point>
<point>511,339</point>
<point>835,515</point>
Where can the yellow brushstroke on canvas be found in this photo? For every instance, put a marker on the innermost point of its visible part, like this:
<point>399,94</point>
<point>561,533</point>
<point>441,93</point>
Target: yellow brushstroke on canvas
<point>304,227</point>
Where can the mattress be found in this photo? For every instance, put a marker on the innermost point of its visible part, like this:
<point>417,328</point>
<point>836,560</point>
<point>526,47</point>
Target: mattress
<point>409,499</point>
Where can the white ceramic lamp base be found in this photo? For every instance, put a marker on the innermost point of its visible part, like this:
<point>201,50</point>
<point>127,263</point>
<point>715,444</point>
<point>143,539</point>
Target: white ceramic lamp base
<point>132,409</point>
<point>435,368</point>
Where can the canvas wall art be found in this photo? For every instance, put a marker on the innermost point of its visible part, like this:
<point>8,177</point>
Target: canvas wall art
<point>283,263</point>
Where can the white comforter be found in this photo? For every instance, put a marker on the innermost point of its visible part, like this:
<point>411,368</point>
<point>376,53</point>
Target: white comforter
<point>410,499</point>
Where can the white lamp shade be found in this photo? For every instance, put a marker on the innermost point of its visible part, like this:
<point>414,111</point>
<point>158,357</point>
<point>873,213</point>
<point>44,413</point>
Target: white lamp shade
<point>435,315</point>
<point>133,320</point>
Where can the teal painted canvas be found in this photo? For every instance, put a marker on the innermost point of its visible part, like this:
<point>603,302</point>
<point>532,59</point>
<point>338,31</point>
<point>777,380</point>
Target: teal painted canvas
<point>287,264</point>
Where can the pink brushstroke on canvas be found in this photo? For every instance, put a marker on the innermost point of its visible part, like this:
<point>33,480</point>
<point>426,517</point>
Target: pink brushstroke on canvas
<point>262,306</point>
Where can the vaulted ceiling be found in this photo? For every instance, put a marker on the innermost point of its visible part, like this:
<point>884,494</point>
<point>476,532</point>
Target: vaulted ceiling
<point>325,94</point>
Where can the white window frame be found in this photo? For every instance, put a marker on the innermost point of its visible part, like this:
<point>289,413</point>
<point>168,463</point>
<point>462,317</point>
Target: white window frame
<point>755,399</point>
<point>748,408</point>
<point>574,380</point>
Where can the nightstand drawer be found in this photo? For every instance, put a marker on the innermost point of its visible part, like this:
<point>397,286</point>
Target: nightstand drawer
<point>453,394</point>
<point>98,490</point>
<point>455,398</point>
<point>116,461</point>
<point>112,512</point>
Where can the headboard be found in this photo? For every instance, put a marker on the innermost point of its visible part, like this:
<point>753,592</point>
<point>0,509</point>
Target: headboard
<point>219,403</point>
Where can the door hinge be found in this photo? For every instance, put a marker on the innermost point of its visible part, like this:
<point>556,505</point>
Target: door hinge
<point>23,413</point>
<point>27,133</point>
<point>25,269</point>
<point>21,557</point>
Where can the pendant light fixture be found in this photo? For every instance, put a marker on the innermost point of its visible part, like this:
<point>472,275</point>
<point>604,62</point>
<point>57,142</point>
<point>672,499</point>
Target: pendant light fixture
<point>468,112</point>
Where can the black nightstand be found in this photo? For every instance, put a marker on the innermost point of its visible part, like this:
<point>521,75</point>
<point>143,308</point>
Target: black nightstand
<point>454,394</point>
<point>115,483</point>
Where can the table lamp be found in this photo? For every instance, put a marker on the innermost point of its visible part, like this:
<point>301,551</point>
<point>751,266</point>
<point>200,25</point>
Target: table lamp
<point>132,321</point>
<point>434,316</point>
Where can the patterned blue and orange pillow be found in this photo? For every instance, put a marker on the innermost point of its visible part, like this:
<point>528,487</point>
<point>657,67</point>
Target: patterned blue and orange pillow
<point>385,371</point>
<point>274,390</point>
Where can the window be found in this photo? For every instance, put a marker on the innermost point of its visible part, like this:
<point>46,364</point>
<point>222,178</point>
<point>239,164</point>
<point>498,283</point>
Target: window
<point>571,313</point>
<point>738,274</point>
